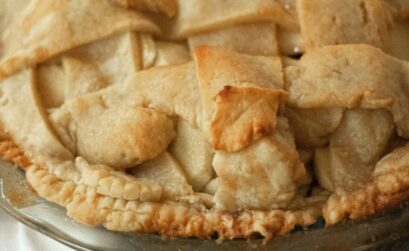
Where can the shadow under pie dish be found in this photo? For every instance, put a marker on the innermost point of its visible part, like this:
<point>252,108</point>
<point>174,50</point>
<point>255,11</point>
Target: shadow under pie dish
<point>189,118</point>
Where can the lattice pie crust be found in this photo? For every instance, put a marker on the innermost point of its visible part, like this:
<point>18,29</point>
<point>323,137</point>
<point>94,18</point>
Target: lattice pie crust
<point>189,118</point>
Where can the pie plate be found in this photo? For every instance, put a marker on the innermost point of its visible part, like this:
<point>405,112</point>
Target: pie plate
<point>389,231</point>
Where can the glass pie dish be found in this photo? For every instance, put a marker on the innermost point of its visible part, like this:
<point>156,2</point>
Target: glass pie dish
<point>388,231</point>
<point>207,120</point>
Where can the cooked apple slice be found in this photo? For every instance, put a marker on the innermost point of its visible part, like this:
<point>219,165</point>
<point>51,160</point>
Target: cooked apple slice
<point>212,186</point>
<point>171,53</point>
<point>148,49</point>
<point>355,147</point>
<point>291,43</point>
<point>166,171</point>
<point>322,168</point>
<point>366,132</point>
<point>306,155</point>
<point>340,168</point>
<point>51,85</point>
<point>313,127</point>
<point>194,153</point>
<point>399,40</point>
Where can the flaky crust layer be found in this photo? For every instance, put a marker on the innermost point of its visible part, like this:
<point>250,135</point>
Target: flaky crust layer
<point>362,203</point>
<point>175,219</point>
<point>11,152</point>
<point>180,219</point>
<point>389,187</point>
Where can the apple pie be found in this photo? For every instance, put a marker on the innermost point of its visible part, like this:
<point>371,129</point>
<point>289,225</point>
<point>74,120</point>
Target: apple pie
<point>206,118</point>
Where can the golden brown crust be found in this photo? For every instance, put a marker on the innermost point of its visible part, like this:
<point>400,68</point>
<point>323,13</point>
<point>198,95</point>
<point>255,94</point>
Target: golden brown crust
<point>75,134</point>
<point>179,219</point>
<point>244,115</point>
<point>78,121</point>
<point>12,152</point>
<point>182,220</point>
<point>361,203</point>
<point>85,205</point>
<point>389,187</point>
<point>218,68</point>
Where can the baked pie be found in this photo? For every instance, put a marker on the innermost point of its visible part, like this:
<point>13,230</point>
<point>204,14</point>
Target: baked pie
<point>190,118</point>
